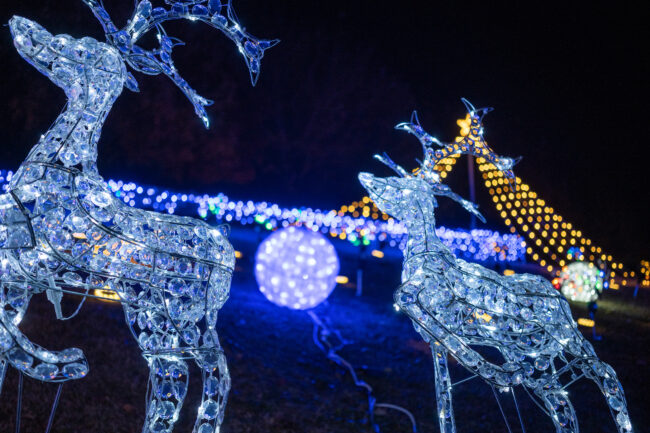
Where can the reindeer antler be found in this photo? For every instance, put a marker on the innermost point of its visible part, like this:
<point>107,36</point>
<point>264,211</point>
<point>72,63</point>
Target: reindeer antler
<point>159,60</point>
<point>427,141</point>
<point>394,166</point>
<point>473,144</point>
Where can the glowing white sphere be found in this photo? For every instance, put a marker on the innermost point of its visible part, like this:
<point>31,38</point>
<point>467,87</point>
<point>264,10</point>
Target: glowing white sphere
<point>296,268</point>
<point>581,282</point>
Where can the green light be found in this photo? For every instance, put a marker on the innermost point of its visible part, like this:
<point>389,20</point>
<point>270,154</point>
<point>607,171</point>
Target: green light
<point>259,219</point>
<point>268,226</point>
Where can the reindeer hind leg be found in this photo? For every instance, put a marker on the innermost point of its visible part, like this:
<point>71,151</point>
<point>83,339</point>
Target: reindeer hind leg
<point>168,378</point>
<point>445,411</point>
<point>34,360</point>
<point>216,385</point>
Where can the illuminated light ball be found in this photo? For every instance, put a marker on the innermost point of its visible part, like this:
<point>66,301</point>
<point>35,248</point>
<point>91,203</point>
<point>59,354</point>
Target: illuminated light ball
<point>296,268</point>
<point>581,282</point>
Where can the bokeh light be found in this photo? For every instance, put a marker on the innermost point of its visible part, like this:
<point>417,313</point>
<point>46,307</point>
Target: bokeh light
<point>296,268</point>
<point>581,282</point>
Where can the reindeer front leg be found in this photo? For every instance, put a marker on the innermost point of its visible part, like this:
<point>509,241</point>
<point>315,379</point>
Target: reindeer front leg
<point>216,385</point>
<point>168,378</point>
<point>443,389</point>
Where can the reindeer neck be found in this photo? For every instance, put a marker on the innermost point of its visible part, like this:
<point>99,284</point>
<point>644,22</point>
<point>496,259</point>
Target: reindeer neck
<point>423,243</point>
<point>72,139</point>
<point>422,237</point>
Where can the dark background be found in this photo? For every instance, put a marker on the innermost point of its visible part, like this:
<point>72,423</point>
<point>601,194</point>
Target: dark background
<point>568,83</point>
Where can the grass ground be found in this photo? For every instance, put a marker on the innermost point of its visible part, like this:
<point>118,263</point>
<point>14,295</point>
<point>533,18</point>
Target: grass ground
<point>283,383</point>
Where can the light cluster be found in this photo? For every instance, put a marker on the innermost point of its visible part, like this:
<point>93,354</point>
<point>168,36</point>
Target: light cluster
<point>296,268</point>
<point>580,282</point>
<point>461,308</point>
<point>475,245</point>
<point>63,230</point>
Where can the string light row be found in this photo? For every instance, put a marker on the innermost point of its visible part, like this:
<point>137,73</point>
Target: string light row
<point>357,224</point>
<point>645,273</point>
<point>551,241</point>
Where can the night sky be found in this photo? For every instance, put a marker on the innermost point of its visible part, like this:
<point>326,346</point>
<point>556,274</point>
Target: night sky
<point>568,84</point>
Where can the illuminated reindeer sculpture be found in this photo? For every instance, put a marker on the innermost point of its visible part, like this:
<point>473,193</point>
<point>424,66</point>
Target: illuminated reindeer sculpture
<point>468,312</point>
<point>62,230</point>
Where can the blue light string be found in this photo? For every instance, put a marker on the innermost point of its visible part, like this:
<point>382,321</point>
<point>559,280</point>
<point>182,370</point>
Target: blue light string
<point>476,245</point>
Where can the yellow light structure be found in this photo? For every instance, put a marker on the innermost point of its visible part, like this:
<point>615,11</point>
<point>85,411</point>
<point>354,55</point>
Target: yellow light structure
<point>378,254</point>
<point>551,241</point>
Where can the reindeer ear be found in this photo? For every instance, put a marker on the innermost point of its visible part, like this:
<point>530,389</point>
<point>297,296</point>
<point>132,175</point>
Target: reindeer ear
<point>414,118</point>
<point>468,105</point>
<point>145,62</point>
<point>224,229</point>
<point>131,83</point>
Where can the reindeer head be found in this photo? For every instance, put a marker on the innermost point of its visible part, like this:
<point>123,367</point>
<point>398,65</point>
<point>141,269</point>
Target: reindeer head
<point>409,195</point>
<point>400,197</point>
<point>85,69</point>
<point>45,51</point>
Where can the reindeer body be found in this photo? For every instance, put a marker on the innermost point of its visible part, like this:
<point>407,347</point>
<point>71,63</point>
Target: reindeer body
<point>62,229</point>
<point>507,330</point>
